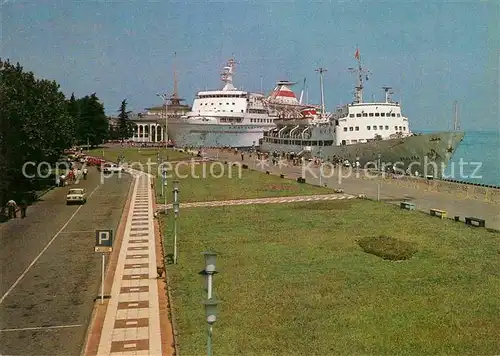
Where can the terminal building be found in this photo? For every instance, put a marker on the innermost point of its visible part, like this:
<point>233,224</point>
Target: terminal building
<point>150,125</point>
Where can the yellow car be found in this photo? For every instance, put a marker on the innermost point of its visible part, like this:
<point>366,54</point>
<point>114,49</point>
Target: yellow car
<point>76,196</point>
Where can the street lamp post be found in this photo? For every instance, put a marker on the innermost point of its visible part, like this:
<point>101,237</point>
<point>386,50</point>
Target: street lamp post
<point>164,188</point>
<point>176,214</point>
<point>176,204</point>
<point>209,272</point>
<point>164,96</point>
<point>379,177</point>
<point>210,303</point>
<point>162,172</point>
<point>211,315</point>
<point>320,167</point>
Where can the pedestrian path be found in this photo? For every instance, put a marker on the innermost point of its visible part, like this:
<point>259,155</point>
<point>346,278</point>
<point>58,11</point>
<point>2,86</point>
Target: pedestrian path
<point>275,200</point>
<point>132,322</point>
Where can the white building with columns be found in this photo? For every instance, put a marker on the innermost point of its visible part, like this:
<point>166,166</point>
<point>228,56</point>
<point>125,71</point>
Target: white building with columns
<point>150,126</point>
<point>148,129</point>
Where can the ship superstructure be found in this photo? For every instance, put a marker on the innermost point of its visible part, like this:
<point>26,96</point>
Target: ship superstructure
<point>223,118</point>
<point>360,132</point>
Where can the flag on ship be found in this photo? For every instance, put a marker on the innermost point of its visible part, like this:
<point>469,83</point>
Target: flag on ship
<point>357,54</point>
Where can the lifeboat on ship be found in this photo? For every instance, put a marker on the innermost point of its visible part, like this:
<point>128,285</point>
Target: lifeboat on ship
<point>309,113</point>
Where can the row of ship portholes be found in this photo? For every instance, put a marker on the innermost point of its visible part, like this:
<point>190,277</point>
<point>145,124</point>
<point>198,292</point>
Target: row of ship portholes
<point>298,142</point>
<point>356,128</point>
<point>261,121</point>
<point>375,114</point>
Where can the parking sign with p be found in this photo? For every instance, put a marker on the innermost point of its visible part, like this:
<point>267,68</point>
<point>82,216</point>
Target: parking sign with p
<point>104,241</point>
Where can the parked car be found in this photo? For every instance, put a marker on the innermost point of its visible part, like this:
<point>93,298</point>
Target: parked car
<point>76,196</point>
<point>113,168</point>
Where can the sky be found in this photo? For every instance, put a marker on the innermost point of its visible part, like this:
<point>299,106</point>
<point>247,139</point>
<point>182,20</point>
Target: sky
<point>431,52</point>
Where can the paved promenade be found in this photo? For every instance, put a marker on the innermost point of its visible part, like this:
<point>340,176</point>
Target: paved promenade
<point>278,200</point>
<point>132,323</point>
<point>455,204</point>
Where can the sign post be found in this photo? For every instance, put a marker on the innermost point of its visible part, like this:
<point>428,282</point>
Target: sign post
<point>103,244</point>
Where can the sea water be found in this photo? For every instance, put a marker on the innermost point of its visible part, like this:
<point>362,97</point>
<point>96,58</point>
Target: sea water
<point>479,156</point>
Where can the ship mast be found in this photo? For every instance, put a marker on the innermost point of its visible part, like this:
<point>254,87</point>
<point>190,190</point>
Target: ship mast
<point>174,98</point>
<point>321,71</point>
<point>361,72</point>
<point>227,75</point>
<point>456,123</point>
<point>302,92</point>
<point>176,92</point>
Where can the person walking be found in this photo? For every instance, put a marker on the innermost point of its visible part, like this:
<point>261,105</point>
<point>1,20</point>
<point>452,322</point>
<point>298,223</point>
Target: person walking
<point>23,206</point>
<point>85,172</point>
<point>12,206</point>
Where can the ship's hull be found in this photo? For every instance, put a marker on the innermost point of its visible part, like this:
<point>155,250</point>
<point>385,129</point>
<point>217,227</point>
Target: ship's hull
<point>425,155</point>
<point>215,135</point>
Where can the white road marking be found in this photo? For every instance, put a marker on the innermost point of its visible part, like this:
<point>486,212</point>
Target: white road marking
<point>42,328</point>
<point>44,249</point>
<point>77,232</point>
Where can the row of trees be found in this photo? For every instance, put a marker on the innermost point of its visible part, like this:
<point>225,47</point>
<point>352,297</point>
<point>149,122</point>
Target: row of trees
<point>37,123</point>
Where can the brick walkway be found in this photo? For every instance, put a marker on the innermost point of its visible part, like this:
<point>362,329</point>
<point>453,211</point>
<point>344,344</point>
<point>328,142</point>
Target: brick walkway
<point>132,322</point>
<point>280,200</point>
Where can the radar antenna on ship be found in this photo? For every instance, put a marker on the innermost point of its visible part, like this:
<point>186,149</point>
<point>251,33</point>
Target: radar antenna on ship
<point>388,93</point>
<point>321,71</point>
<point>361,73</point>
<point>227,75</point>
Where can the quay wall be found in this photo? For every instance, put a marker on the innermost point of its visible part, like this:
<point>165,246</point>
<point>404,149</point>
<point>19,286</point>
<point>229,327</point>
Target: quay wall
<point>459,189</point>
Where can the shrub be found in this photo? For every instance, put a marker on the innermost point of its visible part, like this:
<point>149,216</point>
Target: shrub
<point>388,248</point>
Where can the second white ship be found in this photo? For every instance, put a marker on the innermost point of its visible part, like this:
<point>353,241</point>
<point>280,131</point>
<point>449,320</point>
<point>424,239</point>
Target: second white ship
<point>222,118</point>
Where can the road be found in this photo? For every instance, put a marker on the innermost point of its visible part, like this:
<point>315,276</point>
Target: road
<point>50,272</point>
<point>392,192</point>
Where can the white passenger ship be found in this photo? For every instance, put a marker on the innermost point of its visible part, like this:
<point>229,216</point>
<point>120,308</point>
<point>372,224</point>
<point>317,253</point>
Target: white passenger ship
<point>223,118</point>
<point>361,132</point>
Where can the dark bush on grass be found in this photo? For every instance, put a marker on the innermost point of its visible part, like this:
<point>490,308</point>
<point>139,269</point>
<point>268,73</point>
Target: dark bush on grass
<point>388,248</point>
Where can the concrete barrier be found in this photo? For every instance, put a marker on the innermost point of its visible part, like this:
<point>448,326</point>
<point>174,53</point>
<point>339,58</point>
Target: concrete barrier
<point>463,190</point>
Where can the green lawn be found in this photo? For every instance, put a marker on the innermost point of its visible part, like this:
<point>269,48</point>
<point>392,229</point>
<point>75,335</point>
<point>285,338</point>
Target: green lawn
<point>138,155</point>
<point>294,281</point>
<point>211,181</point>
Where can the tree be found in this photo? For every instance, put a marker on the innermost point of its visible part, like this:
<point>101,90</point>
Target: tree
<point>125,125</point>
<point>73,107</point>
<point>92,125</point>
<point>34,126</point>
<point>113,133</point>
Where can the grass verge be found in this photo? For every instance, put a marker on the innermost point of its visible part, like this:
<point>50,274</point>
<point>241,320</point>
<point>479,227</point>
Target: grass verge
<point>211,181</point>
<point>293,281</point>
<point>138,155</point>
<point>207,181</point>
